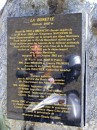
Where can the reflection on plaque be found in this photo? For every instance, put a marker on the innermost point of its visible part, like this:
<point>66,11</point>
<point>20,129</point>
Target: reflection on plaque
<point>44,69</point>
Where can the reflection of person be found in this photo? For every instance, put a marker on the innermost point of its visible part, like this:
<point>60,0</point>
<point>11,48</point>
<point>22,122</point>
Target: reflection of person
<point>37,57</point>
<point>36,50</point>
<point>36,62</point>
<point>31,68</point>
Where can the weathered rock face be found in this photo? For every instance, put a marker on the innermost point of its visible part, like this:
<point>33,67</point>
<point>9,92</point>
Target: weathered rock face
<point>18,8</point>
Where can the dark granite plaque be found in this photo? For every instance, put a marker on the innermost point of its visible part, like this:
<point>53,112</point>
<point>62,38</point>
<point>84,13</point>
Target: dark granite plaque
<point>44,69</point>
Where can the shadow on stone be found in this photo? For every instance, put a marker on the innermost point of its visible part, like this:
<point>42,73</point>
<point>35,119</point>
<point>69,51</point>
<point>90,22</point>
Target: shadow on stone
<point>94,27</point>
<point>56,6</point>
